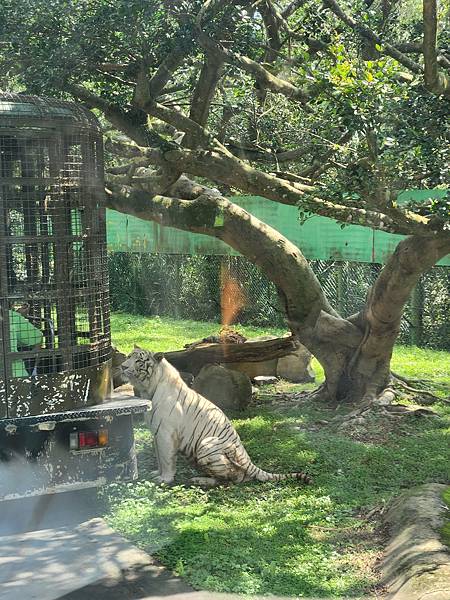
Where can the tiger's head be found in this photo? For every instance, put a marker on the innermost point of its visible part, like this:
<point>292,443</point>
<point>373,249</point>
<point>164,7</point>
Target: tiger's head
<point>140,367</point>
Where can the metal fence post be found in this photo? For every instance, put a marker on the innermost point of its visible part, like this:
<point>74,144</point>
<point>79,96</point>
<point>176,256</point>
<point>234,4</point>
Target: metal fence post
<point>339,271</point>
<point>416,314</point>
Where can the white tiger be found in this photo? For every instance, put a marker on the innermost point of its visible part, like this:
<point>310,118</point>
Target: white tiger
<point>183,420</point>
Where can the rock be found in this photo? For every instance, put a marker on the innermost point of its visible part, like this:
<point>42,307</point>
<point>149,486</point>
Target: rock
<point>296,367</point>
<point>227,389</point>
<point>188,378</point>
<point>256,369</point>
<point>265,380</point>
<point>417,563</point>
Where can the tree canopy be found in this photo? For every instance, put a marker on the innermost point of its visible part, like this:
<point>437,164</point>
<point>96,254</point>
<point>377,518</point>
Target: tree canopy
<point>332,106</point>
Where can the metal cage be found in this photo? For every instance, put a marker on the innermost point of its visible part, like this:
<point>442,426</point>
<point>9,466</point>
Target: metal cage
<point>54,304</point>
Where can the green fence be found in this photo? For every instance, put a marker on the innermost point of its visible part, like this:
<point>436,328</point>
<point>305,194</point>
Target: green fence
<point>189,287</point>
<point>319,238</point>
<point>164,271</point>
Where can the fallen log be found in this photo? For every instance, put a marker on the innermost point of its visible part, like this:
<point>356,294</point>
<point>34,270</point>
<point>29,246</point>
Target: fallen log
<point>193,359</point>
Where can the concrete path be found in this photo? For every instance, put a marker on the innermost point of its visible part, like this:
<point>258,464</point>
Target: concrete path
<point>51,548</point>
<point>69,562</point>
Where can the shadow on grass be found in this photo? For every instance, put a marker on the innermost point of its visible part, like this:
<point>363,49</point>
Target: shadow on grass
<point>284,538</point>
<point>241,559</point>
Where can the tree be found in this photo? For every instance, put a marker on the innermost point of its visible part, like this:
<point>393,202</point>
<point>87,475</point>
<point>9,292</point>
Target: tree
<point>333,107</point>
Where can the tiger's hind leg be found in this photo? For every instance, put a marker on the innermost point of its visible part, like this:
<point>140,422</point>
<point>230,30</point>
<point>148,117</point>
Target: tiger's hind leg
<point>212,459</point>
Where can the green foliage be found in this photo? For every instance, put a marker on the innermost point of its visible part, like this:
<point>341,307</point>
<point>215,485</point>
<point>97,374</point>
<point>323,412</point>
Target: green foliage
<point>353,86</point>
<point>48,43</point>
<point>439,208</point>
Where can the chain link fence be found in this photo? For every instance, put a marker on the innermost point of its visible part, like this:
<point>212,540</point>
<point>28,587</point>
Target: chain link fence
<point>190,287</point>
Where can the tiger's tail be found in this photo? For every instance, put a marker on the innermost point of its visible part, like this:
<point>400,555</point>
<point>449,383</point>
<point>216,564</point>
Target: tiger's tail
<point>261,475</point>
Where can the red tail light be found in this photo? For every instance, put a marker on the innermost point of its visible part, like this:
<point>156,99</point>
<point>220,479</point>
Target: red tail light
<point>88,439</point>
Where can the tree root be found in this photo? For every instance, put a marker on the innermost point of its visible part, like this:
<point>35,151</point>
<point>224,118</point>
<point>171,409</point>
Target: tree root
<point>320,395</point>
<point>411,382</point>
<point>424,397</point>
<point>381,406</point>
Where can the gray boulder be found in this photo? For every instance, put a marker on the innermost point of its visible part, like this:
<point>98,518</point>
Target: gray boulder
<point>296,367</point>
<point>416,565</point>
<point>227,389</point>
<point>257,369</point>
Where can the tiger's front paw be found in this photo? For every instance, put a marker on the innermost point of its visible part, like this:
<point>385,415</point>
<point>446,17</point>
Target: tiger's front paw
<point>163,479</point>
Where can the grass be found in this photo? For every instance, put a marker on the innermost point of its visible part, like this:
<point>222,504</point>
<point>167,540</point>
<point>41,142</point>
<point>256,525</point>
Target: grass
<point>423,363</point>
<point>161,334</point>
<point>285,539</point>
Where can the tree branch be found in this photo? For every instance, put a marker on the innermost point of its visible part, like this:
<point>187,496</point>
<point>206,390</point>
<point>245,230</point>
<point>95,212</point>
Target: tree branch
<point>384,307</point>
<point>213,215</point>
<point>181,122</point>
<point>125,149</point>
<point>216,166</point>
<point>257,155</point>
<point>292,7</point>
<point>232,171</point>
<point>365,32</point>
<point>436,82</point>
<point>125,122</point>
<point>272,21</point>
<point>264,78</point>
<point>165,71</point>
<point>203,94</point>
<point>110,67</point>
<point>429,43</point>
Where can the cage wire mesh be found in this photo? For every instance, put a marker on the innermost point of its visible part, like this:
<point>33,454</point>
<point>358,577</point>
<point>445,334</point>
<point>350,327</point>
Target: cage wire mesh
<point>189,287</point>
<point>54,304</point>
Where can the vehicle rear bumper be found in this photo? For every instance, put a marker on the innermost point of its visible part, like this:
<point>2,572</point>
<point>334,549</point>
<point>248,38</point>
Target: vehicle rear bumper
<point>35,457</point>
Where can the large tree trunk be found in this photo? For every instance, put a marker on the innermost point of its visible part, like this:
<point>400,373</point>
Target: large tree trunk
<point>354,352</point>
<point>362,373</point>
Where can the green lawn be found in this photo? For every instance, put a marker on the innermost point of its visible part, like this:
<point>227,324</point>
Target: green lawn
<point>161,334</point>
<point>283,538</point>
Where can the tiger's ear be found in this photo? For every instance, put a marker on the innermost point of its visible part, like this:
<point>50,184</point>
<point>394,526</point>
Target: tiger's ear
<point>158,356</point>
<point>136,347</point>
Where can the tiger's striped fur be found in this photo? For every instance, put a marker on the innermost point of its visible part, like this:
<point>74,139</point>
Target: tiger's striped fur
<point>183,420</point>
